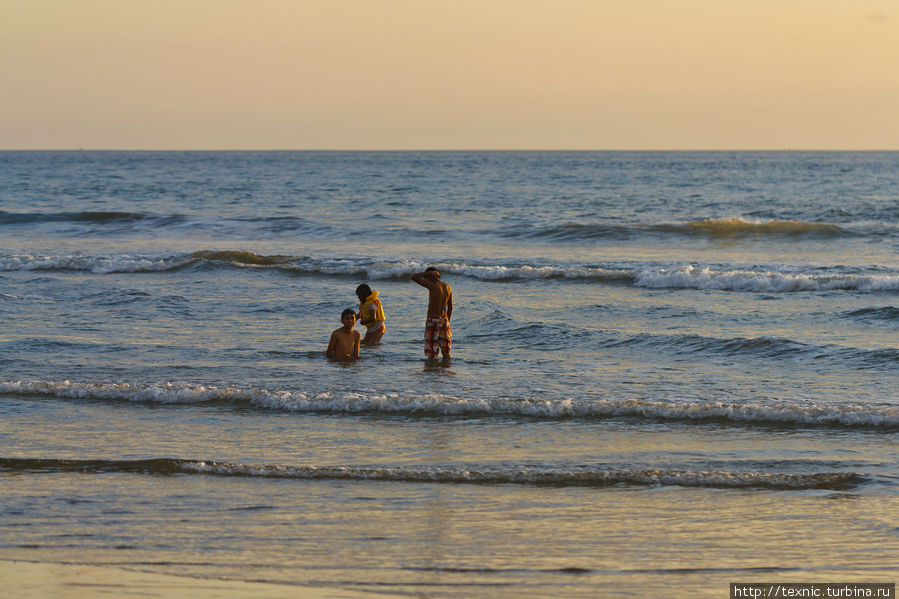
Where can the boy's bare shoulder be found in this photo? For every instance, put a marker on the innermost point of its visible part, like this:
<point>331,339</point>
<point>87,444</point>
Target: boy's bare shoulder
<point>342,333</point>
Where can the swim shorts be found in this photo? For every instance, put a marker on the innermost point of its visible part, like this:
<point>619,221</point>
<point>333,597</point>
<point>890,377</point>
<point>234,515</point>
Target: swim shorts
<point>376,326</point>
<point>438,336</point>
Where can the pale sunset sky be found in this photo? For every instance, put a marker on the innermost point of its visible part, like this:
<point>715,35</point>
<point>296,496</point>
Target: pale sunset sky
<point>449,74</point>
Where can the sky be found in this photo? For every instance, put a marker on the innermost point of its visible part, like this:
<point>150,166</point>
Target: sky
<point>449,74</point>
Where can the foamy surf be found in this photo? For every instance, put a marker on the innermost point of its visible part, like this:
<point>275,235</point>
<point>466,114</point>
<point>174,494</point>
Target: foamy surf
<point>704,277</point>
<point>92,264</point>
<point>783,279</point>
<point>850,416</point>
<point>583,476</point>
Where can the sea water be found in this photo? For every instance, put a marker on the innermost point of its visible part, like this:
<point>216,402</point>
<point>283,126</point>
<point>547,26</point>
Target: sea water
<point>670,371</point>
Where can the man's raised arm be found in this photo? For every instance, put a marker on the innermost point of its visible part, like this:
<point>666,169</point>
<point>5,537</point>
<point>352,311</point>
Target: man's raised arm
<point>426,278</point>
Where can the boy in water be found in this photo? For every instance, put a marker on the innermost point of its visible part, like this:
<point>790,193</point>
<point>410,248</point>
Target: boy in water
<point>344,343</point>
<point>371,314</point>
<point>438,336</point>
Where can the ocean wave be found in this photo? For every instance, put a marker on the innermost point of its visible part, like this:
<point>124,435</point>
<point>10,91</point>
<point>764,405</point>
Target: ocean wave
<point>758,346</point>
<point>136,264</point>
<point>403,269</point>
<point>94,264</point>
<point>577,232</point>
<point>118,222</point>
<point>720,228</point>
<point>27,218</point>
<point>652,277</point>
<point>241,258</point>
<point>346,267</point>
<point>888,313</point>
<point>738,226</point>
<point>763,347</point>
<point>585,476</point>
<point>526,272</point>
<point>693,277</point>
<point>843,416</point>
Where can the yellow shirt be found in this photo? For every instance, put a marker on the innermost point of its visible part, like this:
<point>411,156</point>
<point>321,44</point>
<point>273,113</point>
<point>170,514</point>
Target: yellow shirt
<point>371,311</point>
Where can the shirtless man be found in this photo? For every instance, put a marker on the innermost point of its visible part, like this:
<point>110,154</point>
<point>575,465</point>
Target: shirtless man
<point>438,336</point>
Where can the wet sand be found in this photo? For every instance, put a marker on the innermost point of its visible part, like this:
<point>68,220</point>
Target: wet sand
<point>27,580</point>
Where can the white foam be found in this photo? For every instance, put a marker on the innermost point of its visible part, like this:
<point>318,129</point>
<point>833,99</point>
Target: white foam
<point>588,475</point>
<point>397,270</point>
<point>532,272</point>
<point>343,267</point>
<point>690,277</point>
<point>94,264</point>
<point>679,277</point>
<point>493,272</point>
<point>529,475</point>
<point>852,415</point>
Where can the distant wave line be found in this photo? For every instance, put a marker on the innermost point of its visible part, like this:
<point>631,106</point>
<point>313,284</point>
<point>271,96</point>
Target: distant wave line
<point>728,227</point>
<point>719,228</point>
<point>736,227</point>
<point>24,218</point>
<point>881,313</point>
<point>649,277</point>
<point>847,416</point>
<point>767,347</point>
<point>692,277</point>
<point>458,474</point>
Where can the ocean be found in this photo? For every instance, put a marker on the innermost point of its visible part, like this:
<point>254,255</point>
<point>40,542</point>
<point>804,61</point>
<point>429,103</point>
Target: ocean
<point>671,371</point>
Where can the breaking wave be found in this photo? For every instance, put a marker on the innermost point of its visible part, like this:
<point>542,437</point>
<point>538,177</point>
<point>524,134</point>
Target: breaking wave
<point>735,227</point>
<point>585,476</point>
<point>692,277</point>
<point>136,264</point>
<point>240,258</point>
<point>94,264</point>
<point>846,416</point>
<point>649,277</point>
<point>345,267</point>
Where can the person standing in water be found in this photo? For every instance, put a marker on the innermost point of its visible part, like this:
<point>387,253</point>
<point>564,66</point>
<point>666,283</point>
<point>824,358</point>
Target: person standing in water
<point>438,336</point>
<point>371,314</point>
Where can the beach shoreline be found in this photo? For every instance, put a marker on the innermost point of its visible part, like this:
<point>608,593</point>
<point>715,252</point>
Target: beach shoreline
<point>41,580</point>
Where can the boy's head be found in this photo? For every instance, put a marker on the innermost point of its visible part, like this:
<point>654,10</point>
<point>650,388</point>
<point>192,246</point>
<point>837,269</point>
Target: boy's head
<point>433,272</point>
<point>363,291</point>
<point>348,317</point>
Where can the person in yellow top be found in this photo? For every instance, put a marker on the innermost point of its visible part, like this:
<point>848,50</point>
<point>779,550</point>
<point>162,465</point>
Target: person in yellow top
<point>371,314</point>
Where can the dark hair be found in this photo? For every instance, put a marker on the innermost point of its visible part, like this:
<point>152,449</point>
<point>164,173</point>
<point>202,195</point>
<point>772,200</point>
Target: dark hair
<point>363,291</point>
<point>347,311</point>
<point>430,268</point>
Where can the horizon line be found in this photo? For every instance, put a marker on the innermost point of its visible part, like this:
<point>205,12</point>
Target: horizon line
<point>446,150</point>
